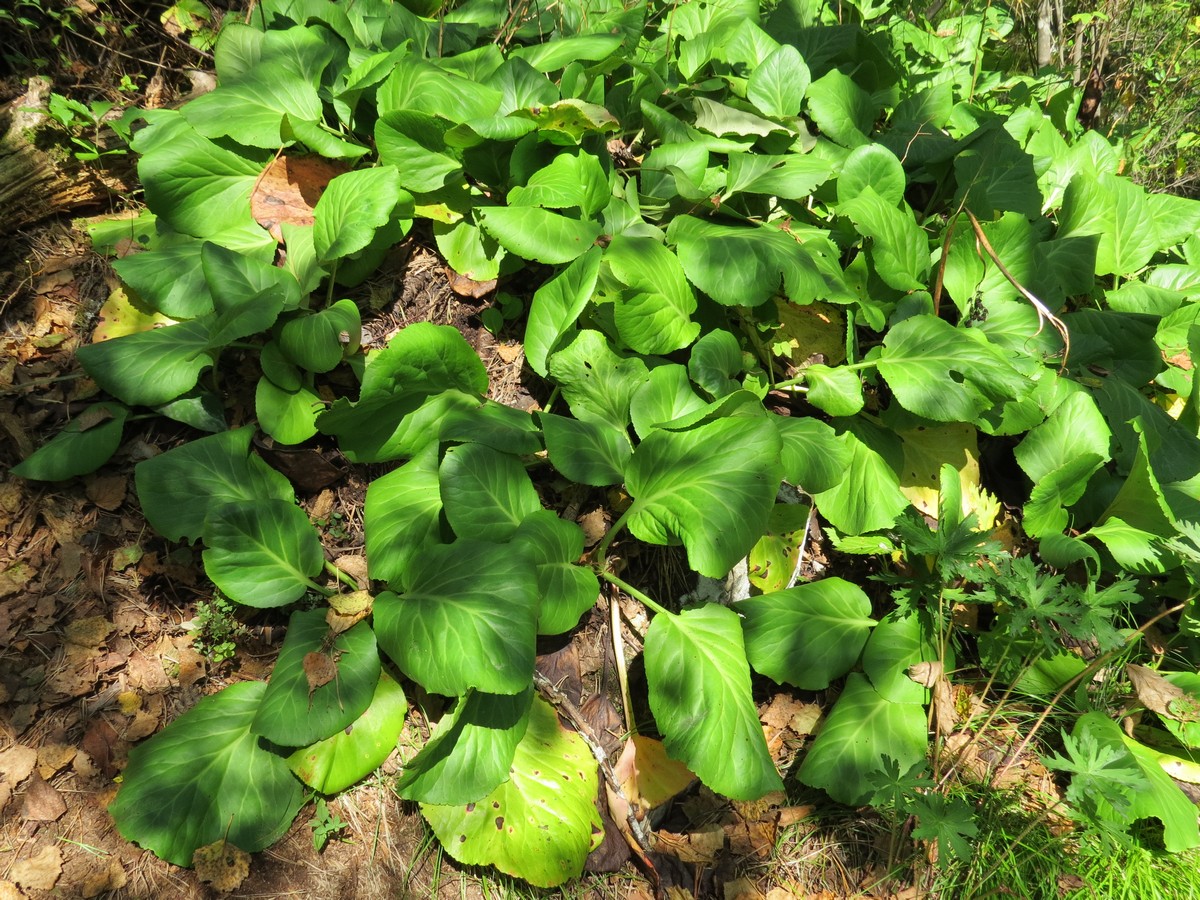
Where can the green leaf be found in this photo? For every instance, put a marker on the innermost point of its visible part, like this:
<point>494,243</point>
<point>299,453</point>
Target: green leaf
<point>466,619</point>
<point>807,635</point>
<point>539,825</point>
<point>571,181</point>
<point>290,417</point>
<point>700,695</point>
<point>667,396</point>
<point>596,381</point>
<point>714,361</point>
<point>205,777</point>
<point>776,87</point>
<point>539,234</point>
<point>195,186</point>
<point>179,489</point>
<point>899,248</point>
<point>85,444</point>
<point>586,452</point>
<point>862,731</point>
<point>791,177</point>
<point>868,498</point>
<point>1076,427</point>
<point>814,457</point>
<point>876,167</point>
<point>567,590</point>
<point>654,316</point>
<point>354,207</point>
<point>721,119</point>
<point>1117,210</point>
<point>552,55</point>
<point>947,374</point>
<point>740,265</point>
<point>841,109</point>
<point>894,646</point>
<point>837,391</point>
<point>711,487</point>
<point>500,427</point>
<point>415,144</point>
<point>318,341</point>
<point>261,553</point>
<point>423,86</point>
<point>293,713</point>
<point>556,306</point>
<point>351,754</point>
<point>995,173</point>
<point>485,493</point>
<point>470,751</point>
<point>402,515</point>
<point>150,367</point>
<point>247,294</point>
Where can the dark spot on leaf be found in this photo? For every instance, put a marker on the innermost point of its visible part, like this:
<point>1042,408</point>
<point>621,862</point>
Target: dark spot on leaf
<point>462,838</point>
<point>495,804</point>
<point>499,822</point>
<point>537,772</point>
<point>596,830</point>
<point>470,807</point>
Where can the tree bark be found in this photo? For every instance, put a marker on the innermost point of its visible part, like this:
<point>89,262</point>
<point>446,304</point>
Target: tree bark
<point>1045,33</point>
<point>37,183</point>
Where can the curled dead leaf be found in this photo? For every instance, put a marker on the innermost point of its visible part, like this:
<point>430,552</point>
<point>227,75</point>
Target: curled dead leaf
<point>39,873</point>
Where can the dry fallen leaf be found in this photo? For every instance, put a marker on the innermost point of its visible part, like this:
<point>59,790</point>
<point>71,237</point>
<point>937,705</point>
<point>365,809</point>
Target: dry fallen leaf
<point>222,865</point>
<point>9,891</point>
<point>39,873</point>
<point>288,190</point>
<point>107,491</point>
<point>319,670</point>
<point>701,846</point>
<point>42,802</point>
<point>17,762</point>
<point>98,880</point>
<point>465,286</point>
<point>1159,695</point>
<point>52,758</point>
<point>90,632</point>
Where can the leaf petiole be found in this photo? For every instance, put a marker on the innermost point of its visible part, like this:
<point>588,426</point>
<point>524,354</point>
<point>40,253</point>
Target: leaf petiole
<point>635,593</point>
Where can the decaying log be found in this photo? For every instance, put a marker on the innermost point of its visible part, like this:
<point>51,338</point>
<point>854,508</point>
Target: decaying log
<point>37,183</point>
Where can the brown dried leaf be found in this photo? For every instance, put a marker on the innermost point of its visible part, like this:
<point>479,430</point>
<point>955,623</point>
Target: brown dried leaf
<point>53,758</point>
<point>319,670</point>
<point>90,632</point>
<point>107,491</point>
<point>465,286</point>
<point>143,725</point>
<point>42,802</point>
<point>222,865</point>
<point>1155,692</point>
<point>701,846</point>
<point>9,891</point>
<point>288,190</point>
<point>17,762</point>
<point>109,878</point>
<point>39,873</point>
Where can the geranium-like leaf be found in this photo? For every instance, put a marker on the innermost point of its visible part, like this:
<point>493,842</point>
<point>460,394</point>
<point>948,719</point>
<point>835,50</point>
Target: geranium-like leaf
<point>807,635</point>
<point>180,488</point>
<point>353,753</point>
<point>947,374</point>
<point>84,445</point>
<point>296,710</point>
<point>466,618</point>
<point>711,487</point>
<point>471,750</point>
<point>205,776</point>
<point>485,493</point>
<point>262,552</point>
<point>700,695</point>
<point>542,822</point>
<point>863,730</point>
<point>567,590</point>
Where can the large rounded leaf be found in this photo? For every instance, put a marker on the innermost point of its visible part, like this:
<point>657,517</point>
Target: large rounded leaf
<point>83,446</point>
<point>402,514</point>
<point>151,367</point>
<point>539,825</point>
<point>179,488</point>
<point>485,493</point>
<point>262,553</point>
<point>206,776</point>
<point>807,635</point>
<point>471,752</point>
<point>711,487</point>
<point>320,684</point>
<point>700,695</point>
<point>567,590</point>
<point>355,752</point>
<point>354,207</point>
<point>862,731</point>
<point>466,619</point>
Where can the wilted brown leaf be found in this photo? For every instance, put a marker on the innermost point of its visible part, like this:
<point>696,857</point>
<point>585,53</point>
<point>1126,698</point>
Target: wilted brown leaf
<point>107,491</point>
<point>1155,692</point>
<point>53,758</point>
<point>468,287</point>
<point>222,865</point>
<point>90,632</point>
<point>288,191</point>
<point>16,763</point>
<point>42,802</point>
<point>319,670</point>
<point>39,873</point>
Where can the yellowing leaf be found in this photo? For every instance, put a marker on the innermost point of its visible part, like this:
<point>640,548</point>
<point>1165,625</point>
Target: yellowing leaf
<point>222,865</point>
